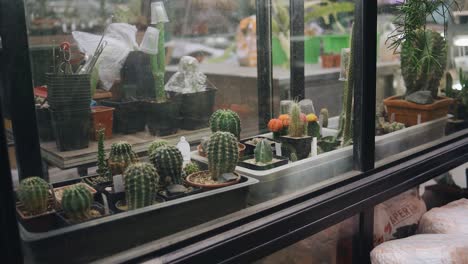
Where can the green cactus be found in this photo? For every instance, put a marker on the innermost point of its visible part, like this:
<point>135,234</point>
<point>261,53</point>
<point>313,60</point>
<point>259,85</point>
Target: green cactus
<point>140,184</point>
<point>103,169</point>
<point>168,161</point>
<point>324,114</point>
<point>313,129</point>
<point>423,62</point>
<point>223,154</point>
<point>155,145</point>
<point>76,202</point>
<point>33,192</point>
<point>158,65</point>
<point>226,120</point>
<point>263,152</point>
<point>293,157</point>
<point>121,156</point>
<point>191,168</point>
<point>296,125</point>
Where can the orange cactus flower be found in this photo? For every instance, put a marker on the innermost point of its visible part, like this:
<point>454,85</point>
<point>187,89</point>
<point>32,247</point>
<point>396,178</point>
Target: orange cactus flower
<point>275,125</point>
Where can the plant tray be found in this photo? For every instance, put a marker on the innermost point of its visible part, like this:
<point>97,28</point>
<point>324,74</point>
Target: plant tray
<point>280,161</point>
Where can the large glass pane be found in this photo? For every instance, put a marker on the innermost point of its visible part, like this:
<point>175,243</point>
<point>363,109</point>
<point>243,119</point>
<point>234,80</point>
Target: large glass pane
<point>135,99</point>
<point>421,83</point>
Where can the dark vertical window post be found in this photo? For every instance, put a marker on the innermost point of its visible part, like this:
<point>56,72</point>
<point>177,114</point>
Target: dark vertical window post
<point>264,63</point>
<point>365,57</point>
<point>18,79</point>
<point>296,14</point>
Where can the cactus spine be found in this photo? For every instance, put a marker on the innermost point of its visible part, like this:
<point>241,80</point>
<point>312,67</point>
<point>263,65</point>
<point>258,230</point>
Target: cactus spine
<point>191,168</point>
<point>226,120</point>
<point>140,185</point>
<point>222,154</point>
<point>168,162</point>
<point>423,61</point>
<point>324,114</point>
<point>155,145</point>
<point>296,125</point>
<point>33,192</point>
<point>76,202</point>
<point>121,156</point>
<point>103,169</point>
<point>263,152</point>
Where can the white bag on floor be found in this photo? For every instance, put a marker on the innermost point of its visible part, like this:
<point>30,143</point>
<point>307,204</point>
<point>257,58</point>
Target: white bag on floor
<point>448,219</point>
<point>423,249</point>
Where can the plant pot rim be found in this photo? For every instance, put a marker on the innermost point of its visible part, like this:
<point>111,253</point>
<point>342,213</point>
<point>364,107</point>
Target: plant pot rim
<point>59,201</point>
<point>396,101</point>
<point>101,108</point>
<point>210,186</point>
<point>24,217</point>
<point>303,137</point>
<point>240,146</point>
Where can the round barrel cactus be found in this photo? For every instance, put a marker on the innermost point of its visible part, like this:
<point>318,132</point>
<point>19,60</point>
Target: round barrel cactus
<point>140,184</point>
<point>223,154</point>
<point>33,192</point>
<point>76,202</point>
<point>120,156</point>
<point>226,120</point>
<point>263,152</point>
<point>168,162</point>
<point>155,145</point>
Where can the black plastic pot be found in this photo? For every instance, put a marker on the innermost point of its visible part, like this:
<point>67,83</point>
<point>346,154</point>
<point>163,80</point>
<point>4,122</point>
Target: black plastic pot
<point>71,129</point>
<point>96,239</point>
<point>68,92</point>
<point>44,124</point>
<point>280,162</point>
<point>136,76</point>
<point>249,148</point>
<point>40,223</point>
<point>195,108</point>
<point>162,118</point>
<point>301,146</point>
<point>129,116</point>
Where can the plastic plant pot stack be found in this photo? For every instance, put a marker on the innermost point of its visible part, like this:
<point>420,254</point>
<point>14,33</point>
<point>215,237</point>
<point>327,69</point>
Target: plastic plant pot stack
<point>69,97</point>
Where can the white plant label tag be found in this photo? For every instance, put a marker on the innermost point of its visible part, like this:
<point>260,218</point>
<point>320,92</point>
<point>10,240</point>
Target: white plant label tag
<point>392,118</point>
<point>419,119</point>
<point>105,203</point>
<point>118,183</point>
<point>278,149</point>
<point>314,146</point>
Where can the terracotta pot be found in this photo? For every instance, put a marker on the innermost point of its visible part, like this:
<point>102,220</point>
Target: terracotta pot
<point>209,186</point>
<point>103,117</point>
<point>240,146</point>
<point>407,112</point>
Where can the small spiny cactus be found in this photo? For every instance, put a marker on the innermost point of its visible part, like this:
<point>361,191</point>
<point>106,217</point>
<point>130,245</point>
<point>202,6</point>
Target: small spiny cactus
<point>121,156</point>
<point>140,184</point>
<point>76,202</point>
<point>324,114</point>
<point>191,168</point>
<point>226,120</point>
<point>263,152</point>
<point>168,161</point>
<point>223,154</point>
<point>296,125</point>
<point>33,192</point>
<point>155,145</point>
<point>103,169</point>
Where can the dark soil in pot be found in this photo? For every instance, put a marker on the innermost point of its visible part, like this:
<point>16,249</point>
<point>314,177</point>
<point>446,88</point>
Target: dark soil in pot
<point>162,118</point>
<point>98,182</point>
<point>300,145</point>
<point>195,108</point>
<point>96,211</point>
<point>249,163</point>
<point>168,196</point>
<point>129,116</point>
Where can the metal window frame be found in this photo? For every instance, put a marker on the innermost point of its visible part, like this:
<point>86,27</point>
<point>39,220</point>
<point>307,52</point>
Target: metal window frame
<point>256,232</point>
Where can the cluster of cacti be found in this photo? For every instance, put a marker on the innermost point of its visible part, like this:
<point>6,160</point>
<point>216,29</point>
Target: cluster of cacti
<point>223,154</point>
<point>262,152</point>
<point>297,124</point>
<point>155,145</point>
<point>324,115</point>
<point>392,127</point>
<point>226,120</point>
<point>140,184</point>
<point>423,61</point>
<point>168,162</point>
<point>76,202</point>
<point>121,156</point>
<point>191,168</point>
<point>33,192</point>
<point>103,169</point>
<point>313,127</point>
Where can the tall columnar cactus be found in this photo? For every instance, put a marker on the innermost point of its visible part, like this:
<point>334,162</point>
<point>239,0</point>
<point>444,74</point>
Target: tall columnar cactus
<point>158,65</point>
<point>140,184</point>
<point>296,125</point>
<point>76,202</point>
<point>223,154</point>
<point>423,61</point>
<point>226,120</point>
<point>263,152</point>
<point>168,161</point>
<point>103,169</point>
<point>121,156</point>
<point>33,192</point>
<point>324,114</point>
<point>155,145</point>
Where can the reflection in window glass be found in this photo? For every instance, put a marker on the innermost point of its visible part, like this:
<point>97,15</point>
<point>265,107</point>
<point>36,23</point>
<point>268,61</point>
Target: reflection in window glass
<point>150,110</point>
<point>420,98</point>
